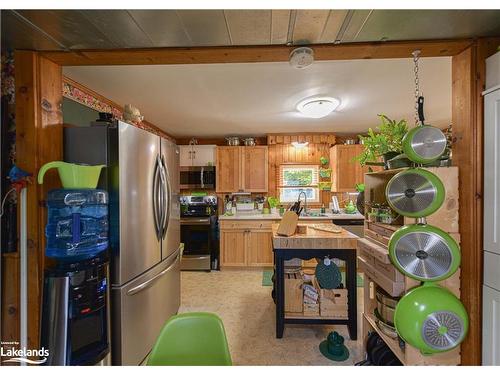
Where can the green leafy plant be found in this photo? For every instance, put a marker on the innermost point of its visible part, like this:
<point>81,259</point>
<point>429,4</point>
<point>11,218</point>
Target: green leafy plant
<point>388,138</point>
<point>273,202</point>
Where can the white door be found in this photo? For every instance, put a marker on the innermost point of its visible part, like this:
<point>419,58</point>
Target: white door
<point>491,326</point>
<point>492,172</point>
<point>186,156</point>
<point>203,155</point>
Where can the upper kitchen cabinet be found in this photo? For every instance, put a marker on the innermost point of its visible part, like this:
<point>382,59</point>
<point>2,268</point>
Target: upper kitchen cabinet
<point>346,172</point>
<point>242,169</point>
<point>255,169</point>
<point>197,155</point>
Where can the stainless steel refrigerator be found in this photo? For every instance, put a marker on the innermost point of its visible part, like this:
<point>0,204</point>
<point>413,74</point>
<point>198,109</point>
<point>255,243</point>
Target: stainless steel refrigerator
<point>142,179</point>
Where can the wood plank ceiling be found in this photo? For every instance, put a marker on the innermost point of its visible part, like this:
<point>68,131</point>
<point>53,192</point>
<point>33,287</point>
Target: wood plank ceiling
<point>114,29</point>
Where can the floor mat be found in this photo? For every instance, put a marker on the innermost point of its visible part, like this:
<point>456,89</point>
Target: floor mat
<point>267,277</point>
<point>268,274</point>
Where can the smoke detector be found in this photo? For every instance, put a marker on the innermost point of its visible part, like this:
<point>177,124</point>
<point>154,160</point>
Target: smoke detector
<point>301,57</point>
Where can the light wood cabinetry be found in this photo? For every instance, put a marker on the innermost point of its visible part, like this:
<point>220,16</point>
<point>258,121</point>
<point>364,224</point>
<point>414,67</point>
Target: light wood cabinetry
<point>346,172</point>
<point>233,247</point>
<point>259,248</point>
<point>246,243</point>
<point>228,169</point>
<point>241,168</point>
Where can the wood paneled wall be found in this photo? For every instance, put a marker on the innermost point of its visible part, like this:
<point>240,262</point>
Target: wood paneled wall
<point>38,141</point>
<point>286,153</point>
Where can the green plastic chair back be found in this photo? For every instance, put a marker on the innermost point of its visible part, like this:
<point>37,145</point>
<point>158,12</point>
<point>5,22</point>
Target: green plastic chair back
<point>191,339</point>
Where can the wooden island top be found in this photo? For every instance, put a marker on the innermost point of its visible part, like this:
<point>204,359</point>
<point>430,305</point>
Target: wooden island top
<point>307,237</point>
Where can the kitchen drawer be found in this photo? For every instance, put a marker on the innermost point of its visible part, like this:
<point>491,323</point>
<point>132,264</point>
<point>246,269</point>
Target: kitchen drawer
<point>246,224</point>
<point>366,256</point>
<point>395,289</point>
<point>383,230</point>
<point>374,249</point>
<point>390,271</point>
<point>376,236</point>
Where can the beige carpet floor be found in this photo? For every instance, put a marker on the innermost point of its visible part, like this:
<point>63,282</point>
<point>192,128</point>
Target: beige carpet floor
<point>248,313</point>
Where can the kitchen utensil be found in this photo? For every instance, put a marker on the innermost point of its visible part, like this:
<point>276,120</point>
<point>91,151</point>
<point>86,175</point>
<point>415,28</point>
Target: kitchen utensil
<point>385,306</point>
<point>288,224</point>
<point>382,355</point>
<point>424,252</point>
<point>333,347</point>
<point>424,143</point>
<point>431,319</point>
<point>350,208</point>
<point>415,192</point>
<point>328,275</point>
<point>400,161</point>
<point>233,141</point>
<point>335,203</point>
<point>73,176</point>
<point>250,141</point>
<point>332,228</point>
<point>387,329</point>
<point>350,142</point>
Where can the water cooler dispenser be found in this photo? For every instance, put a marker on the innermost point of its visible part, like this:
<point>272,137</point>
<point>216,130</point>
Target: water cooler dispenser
<point>75,312</point>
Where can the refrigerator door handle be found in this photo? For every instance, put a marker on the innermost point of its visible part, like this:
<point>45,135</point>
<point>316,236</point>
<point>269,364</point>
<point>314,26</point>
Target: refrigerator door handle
<point>155,198</point>
<point>201,178</point>
<point>168,199</point>
<point>162,198</point>
<point>139,288</point>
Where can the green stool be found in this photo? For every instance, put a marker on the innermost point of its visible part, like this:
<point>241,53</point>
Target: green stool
<point>191,339</point>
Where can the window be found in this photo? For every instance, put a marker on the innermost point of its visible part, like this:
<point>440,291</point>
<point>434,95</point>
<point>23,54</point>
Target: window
<point>296,178</point>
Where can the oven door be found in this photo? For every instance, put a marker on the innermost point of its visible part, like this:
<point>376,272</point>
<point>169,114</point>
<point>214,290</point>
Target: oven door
<point>197,177</point>
<point>196,234</point>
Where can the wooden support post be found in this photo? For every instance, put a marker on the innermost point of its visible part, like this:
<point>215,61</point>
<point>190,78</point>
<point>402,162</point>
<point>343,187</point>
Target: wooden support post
<point>38,140</point>
<point>468,79</point>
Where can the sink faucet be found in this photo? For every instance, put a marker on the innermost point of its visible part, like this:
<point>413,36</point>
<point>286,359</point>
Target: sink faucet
<point>305,200</point>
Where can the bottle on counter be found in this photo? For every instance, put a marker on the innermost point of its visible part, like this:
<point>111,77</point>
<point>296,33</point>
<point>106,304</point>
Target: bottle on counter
<point>323,209</point>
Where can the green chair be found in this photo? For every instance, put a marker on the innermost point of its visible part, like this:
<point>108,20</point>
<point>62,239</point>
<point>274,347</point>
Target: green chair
<point>191,339</point>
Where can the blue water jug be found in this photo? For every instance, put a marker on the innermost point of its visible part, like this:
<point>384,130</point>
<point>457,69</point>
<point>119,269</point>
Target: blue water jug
<point>77,226</point>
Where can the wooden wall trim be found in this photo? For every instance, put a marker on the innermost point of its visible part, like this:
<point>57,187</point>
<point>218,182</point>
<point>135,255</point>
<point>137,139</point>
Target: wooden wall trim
<point>249,54</point>
<point>38,140</point>
<point>118,108</point>
<point>468,82</point>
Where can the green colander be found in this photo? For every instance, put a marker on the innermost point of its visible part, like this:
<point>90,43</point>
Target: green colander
<point>415,192</point>
<point>431,318</point>
<point>424,252</point>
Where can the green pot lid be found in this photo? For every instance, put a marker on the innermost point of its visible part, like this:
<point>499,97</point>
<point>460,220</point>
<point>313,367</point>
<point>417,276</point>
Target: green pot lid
<point>328,276</point>
<point>415,192</point>
<point>424,144</point>
<point>424,252</point>
<point>431,318</point>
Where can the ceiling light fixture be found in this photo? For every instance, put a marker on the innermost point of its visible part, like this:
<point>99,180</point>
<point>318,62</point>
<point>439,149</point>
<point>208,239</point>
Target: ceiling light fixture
<point>299,144</point>
<point>318,107</point>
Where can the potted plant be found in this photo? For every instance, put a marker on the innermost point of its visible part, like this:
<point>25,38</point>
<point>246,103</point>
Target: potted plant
<point>273,204</point>
<point>387,142</point>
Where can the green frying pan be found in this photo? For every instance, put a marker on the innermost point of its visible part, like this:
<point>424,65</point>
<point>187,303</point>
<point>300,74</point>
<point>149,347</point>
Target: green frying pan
<point>424,252</point>
<point>415,192</point>
<point>424,143</point>
<point>431,318</point>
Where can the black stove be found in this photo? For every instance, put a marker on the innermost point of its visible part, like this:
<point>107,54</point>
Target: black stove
<point>199,233</point>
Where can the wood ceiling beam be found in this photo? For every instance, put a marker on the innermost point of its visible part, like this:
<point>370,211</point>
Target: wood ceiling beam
<point>249,54</point>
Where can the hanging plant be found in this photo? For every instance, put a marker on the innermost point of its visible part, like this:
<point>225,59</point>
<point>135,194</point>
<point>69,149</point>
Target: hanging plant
<point>325,172</point>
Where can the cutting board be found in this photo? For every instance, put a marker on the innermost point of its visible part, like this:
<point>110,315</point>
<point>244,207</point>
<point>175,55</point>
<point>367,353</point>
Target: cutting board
<point>288,224</point>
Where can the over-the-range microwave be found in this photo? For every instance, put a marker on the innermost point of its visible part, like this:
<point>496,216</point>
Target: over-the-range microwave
<point>197,177</point>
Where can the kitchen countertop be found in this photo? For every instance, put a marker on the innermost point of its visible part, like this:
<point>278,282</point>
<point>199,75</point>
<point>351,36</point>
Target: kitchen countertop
<point>259,216</point>
<point>307,237</point>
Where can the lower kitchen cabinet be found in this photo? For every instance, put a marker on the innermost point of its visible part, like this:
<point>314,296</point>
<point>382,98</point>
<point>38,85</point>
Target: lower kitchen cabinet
<point>246,243</point>
<point>233,248</point>
<point>259,248</point>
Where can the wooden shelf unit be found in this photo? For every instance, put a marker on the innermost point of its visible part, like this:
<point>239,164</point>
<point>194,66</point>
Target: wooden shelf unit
<point>373,259</point>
